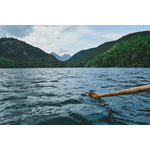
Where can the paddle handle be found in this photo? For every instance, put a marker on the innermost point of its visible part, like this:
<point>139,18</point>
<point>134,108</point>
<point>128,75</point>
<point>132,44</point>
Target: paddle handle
<point>127,91</point>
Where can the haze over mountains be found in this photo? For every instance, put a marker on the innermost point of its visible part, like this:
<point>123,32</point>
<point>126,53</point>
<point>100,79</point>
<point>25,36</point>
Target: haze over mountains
<point>132,50</point>
<point>62,58</point>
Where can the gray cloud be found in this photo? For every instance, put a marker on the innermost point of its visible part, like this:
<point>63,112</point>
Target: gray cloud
<point>63,50</point>
<point>15,30</point>
<point>58,38</point>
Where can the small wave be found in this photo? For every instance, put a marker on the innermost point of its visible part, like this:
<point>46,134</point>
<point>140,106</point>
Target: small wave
<point>18,85</point>
<point>17,106</point>
<point>144,110</point>
<point>4,91</point>
<point>108,120</point>
<point>47,94</point>
<point>14,98</point>
<point>35,81</point>
<point>104,87</point>
<point>41,85</point>
<point>73,77</point>
<point>52,86</point>
<point>78,87</point>
<point>54,81</point>
<point>71,101</point>
<point>80,119</point>
<point>57,121</point>
<point>12,85</point>
<point>39,94</point>
<point>45,104</point>
<point>74,120</point>
<point>110,80</point>
<point>7,85</point>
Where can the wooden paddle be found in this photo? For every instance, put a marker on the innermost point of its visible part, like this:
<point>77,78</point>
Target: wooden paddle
<point>122,92</point>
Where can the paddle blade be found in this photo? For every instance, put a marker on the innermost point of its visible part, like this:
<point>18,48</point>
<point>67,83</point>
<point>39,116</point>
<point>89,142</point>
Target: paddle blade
<point>92,95</point>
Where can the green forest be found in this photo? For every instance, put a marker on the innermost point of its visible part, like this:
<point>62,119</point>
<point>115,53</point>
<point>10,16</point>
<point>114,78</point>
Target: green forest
<point>132,50</point>
<point>18,54</point>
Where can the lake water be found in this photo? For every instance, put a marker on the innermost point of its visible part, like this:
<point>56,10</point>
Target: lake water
<point>53,96</point>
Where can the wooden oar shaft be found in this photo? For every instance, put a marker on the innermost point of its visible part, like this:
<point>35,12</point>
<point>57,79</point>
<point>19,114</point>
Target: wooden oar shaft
<point>127,91</point>
<point>122,92</point>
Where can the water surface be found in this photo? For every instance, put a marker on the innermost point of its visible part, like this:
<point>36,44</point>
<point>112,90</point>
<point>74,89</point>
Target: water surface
<point>53,96</point>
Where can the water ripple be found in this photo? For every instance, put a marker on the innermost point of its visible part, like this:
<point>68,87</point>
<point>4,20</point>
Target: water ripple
<point>52,96</point>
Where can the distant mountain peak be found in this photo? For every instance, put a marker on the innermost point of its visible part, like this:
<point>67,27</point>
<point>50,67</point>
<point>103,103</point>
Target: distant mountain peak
<point>66,56</point>
<point>57,56</point>
<point>62,58</point>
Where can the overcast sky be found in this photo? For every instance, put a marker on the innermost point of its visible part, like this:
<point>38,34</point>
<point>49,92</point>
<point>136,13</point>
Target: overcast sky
<point>68,39</point>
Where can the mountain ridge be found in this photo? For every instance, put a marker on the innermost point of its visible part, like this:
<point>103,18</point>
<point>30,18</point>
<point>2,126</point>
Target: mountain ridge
<point>91,57</point>
<point>16,53</point>
<point>64,57</point>
<point>132,50</point>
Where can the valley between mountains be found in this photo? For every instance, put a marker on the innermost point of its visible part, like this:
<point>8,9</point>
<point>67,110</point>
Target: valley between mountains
<point>132,50</point>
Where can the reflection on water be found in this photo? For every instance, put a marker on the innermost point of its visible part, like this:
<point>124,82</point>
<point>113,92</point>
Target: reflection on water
<point>54,96</point>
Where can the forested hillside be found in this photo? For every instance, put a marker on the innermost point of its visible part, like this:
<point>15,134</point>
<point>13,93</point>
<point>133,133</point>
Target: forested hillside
<point>82,57</point>
<point>18,54</point>
<point>132,50</point>
<point>79,59</point>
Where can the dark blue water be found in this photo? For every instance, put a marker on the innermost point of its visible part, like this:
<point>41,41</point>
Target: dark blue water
<point>53,96</point>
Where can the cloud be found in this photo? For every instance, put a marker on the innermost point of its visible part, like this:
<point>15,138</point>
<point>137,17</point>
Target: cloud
<point>63,50</point>
<point>110,35</point>
<point>15,30</point>
<point>56,39</point>
<point>61,39</point>
<point>113,36</point>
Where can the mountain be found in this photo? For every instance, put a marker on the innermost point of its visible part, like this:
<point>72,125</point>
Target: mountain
<point>62,58</point>
<point>65,57</point>
<point>82,57</point>
<point>132,50</point>
<point>18,54</point>
<point>57,56</point>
